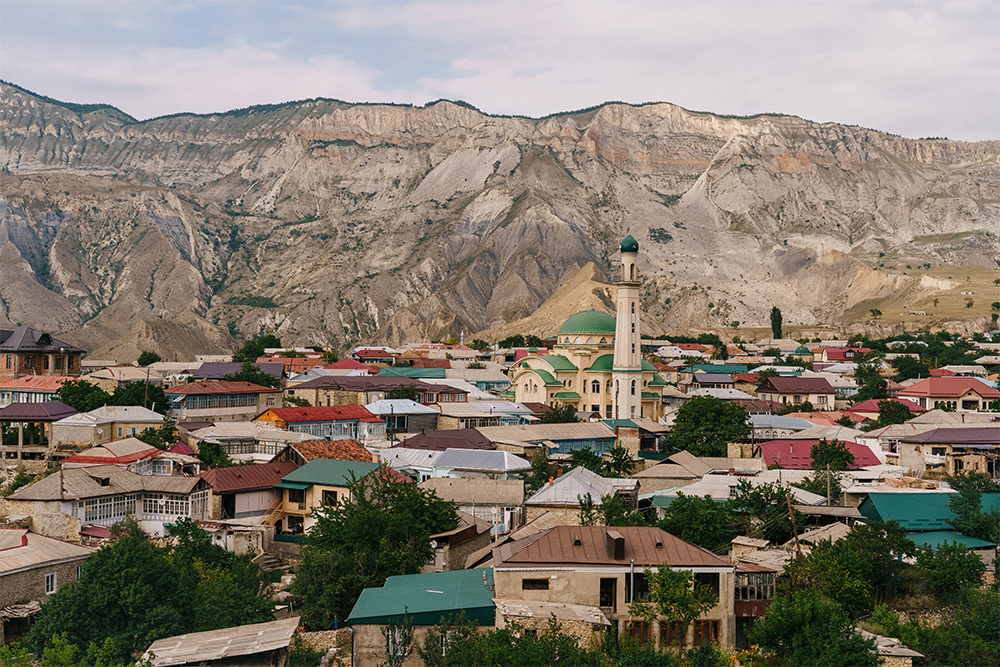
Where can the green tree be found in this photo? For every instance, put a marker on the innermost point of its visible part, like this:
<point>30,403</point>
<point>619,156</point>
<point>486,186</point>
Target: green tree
<point>967,505</point>
<point>674,594</point>
<point>804,629</point>
<point>951,569</point>
<point>832,453</point>
<point>542,470</point>
<point>254,349</point>
<point>706,425</point>
<point>508,646</point>
<point>329,357</point>
<point>82,395</point>
<point>763,510</point>
<point>619,463</point>
<point>408,392</point>
<point>509,342</point>
<point>823,483</point>
<point>163,437</point>
<point>708,523</point>
<point>876,313</point>
<point>871,384</point>
<point>251,372</point>
<point>479,344</point>
<point>213,455</point>
<point>140,393</point>
<point>891,412</point>
<point>775,322</point>
<point>383,530</point>
<point>610,512</point>
<point>532,340</point>
<point>398,637</point>
<point>562,414</point>
<point>146,358</point>
<point>296,402</point>
<point>908,368</point>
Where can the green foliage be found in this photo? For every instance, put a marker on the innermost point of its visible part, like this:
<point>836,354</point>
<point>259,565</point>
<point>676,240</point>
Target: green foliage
<point>82,395</point>
<point>889,413</point>
<point>709,654</point>
<point>408,392</point>
<point>475,365</point>
<point>951,569</point>
<point>398,636</point>
<point>15,655</point>
<point>562,414</point>
<point>296,402</point>
<point>876,313</point>
<point>804,629</point>
<point>871,384</point>
<point>624,650</point>
<point>541,471</point>
<point>710,524</point>
<point>300,654</point>
<point>384,530</point>
<point>620,463</point>
<point>673,593</point>
<point>163,437</point>
<point>908,368</point>
<point>834,454</point>
<point>479,344</point>
<point>610,512</point>
<point>706,425</point>
<point>329,357</point>
<point>970,519</point>
<point>213,455</point>
<point>20,480</point>
<point>775,322</point>
<point>764,510</point>
<point>146,358</point>
<point>250,372</point>
<point>254,349</point>
<point>253,302</point>
<point>823,483</point>
<point>517,340</point>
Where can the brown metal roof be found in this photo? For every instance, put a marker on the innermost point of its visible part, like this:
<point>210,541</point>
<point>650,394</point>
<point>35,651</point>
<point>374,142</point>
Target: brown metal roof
<point>248,477</point>
<point>46,411</point>
<point>962,435</point>
<point>463,438</point>
<point>648,546</point>
<point>792,385</point>
<point>223,387</point>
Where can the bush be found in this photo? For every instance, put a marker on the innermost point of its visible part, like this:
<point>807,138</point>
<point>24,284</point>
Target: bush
<point>951,569</point>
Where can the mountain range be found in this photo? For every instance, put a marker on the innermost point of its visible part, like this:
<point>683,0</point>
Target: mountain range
<point>331,223</point>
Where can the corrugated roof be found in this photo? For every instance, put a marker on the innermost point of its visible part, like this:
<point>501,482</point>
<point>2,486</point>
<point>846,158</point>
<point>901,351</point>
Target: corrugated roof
<point>46,411</point>
<point>197,648</point>
<point>41,383</point>
<point>324,413</point>
<point>481,460</point>
<point>248,477</point>
<point>118,452</point>
<point>935,539</point>
<point>958,435</point>
<point>21,549</point>
<point>89,482</point>
<point>428,598</point>
<point>797,454</point>
<point>588,546</point>
<point>464,438</point>
<point>795,385</point>
<point>108,414</point>
<point>569,488</point>
<point>536,433</point>
<point>950,387</point>
<point>330,472</point>
<point>223,387</point>
<point>399,406</point>
<point>508,492</point>
<point>409,372</point>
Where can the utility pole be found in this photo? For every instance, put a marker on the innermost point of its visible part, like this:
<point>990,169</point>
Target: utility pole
<point>791,515</point>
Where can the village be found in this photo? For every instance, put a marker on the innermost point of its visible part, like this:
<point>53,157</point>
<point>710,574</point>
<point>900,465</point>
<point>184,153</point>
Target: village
<point>593,495</point>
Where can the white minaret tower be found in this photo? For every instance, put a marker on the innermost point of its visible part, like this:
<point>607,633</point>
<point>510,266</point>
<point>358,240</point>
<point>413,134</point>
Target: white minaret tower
<point>627,372</point>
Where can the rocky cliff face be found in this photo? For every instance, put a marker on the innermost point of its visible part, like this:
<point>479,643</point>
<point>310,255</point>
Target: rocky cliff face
<point>331,223</point>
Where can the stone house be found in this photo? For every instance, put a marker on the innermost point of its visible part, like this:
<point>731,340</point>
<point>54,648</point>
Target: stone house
<point>224,401</point>
<point>107,423</point>
<point>246,491</point>
<point>960,394</point>
<point>31,389</point>
<point>561,496</point>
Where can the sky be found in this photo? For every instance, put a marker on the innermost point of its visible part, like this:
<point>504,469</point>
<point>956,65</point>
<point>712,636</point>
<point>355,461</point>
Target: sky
<point>918,69</point>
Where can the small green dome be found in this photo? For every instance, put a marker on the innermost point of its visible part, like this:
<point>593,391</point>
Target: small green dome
<point>802,349</point>
<point>629,244</point>
<point>589,322</point>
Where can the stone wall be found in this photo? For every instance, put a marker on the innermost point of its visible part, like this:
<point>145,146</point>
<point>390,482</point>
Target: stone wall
<point>30,584</point>
<point>568,515</point>
<point>47,518</point>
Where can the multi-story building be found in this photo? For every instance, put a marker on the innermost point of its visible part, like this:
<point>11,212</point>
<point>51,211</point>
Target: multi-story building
<point>27,351</point>
<point>221,401</point>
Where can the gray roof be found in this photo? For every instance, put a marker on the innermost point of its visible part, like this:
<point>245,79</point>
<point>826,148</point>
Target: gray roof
<point>212,370</point>
<point>196,648</point>
<point>23,549</point>
<point>399,406</point>
<point>113,413</point>
<point>779,421</point>
<point>26,339</point>
<point>828,431</point>
<point>537,433</point>
<point>491,460</point>
<point>89,482</point>
<point>578,482</point>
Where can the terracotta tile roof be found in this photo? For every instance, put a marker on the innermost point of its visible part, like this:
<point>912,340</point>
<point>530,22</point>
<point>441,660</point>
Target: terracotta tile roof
<point>373,354</point>
<point>431,363</point>
<point>745,377</point>
<point>950,387</point>
<point>942,372</point>
<point>797,454</point>
<point>248,477</point>
<point>324,413</point>
<point>222,387</point>
<point>341,450</point>
<point>589,546</point>
<point>45,383</point>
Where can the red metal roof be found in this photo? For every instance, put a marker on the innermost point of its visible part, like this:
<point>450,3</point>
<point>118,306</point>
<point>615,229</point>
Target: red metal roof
<point>248,477</point>
<point>181,448</point>
<point>347,364</point>
<point>942,372</point>
<point>871,405</point>
<point>220,387</point>
<point>950,387</point>
<point>797,454</point>
<point>324,413</point>
<point>46,383</point>
<point>374,354</point>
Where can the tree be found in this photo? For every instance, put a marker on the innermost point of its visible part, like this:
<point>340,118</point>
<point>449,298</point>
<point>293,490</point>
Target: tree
<point>142,393</point>
<point>907,368</point>
<point>479,344</point>
<point>251,372</point>
<point>254,349</point>
<point>610,512</point>
<point>951,569</point>
<point>398,636</point>
<point>823,483</point>
<point>764,510</point>
<point>296,402</point>
<point>213,455</point>
<point>562,414</point>
<point>705,426</point>
<point>516,340</point>
<point>329,357</point>
<point>706,522</point>
<point>619,463</point>
<point>541,471</point>
<point>805,629</point>
<point>775,322</point>
<point>162,437</point>
<point>832,453</point>
<point>967,505</point>
<point>532,340</point>
<point>407,392</point>
<point>510,645</point>
<point>383,530</point>
<point>891,412</point>
<point>674,594</point>
<point>871,384</point>
<point>146,358</point>
<point>876,313</point>
<point>82,395</point>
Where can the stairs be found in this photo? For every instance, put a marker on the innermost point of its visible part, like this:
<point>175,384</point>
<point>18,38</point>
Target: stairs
<point>268,563</point>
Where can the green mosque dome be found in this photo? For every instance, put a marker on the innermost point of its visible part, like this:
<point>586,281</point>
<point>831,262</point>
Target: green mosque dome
<point>589,322</point>
<point>629,244</point>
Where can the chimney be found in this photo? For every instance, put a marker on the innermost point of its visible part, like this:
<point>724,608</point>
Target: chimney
<point>616,544</point>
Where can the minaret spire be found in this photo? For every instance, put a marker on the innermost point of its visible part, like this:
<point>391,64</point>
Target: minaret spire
<point>627,371</point>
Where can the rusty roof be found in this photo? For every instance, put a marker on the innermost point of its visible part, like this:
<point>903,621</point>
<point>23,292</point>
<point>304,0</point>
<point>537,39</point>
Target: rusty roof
<point>49,383</point>
<point>341,450</point>
<point>792,385</point>
<point>221,387</point>
<point>324,413</point>
<point>254,477</point>
<point>570,546</point>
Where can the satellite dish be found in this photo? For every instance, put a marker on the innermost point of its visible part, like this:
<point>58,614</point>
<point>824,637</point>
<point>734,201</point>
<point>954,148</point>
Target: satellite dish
<point>434,544</point>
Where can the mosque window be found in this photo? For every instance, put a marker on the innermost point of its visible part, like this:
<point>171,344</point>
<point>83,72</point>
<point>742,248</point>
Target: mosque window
<point>633,348</point>
<point>633,387</point>
<point>604,341</point>
<point>595,387</point>
<point>633,308</point>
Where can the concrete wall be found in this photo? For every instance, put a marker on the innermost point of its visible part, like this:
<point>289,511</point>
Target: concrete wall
<point>369,645</point>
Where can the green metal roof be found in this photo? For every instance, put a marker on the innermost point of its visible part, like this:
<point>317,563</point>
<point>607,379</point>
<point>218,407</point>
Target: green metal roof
<point>558,362</point>
<point>329,472</point>
<point>603,364</point>
<point>508,392</point>
<point>918,511</point>
<point>566,394</point>
<point>589,322</point>
<point>657,381</point>
<point>427,598</point>
<point>802,349</point>
<point>547,377</point>
<point>651,394</point>
<point>728,369</point>
<point>416,373</point>
<point>935,539</point>
<point>615,423</point>
<point>646,366</point>
<point>629,244</point>
<point>292,485</point>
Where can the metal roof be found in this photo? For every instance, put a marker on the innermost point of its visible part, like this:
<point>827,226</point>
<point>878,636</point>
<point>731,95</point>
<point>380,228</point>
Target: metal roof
<point>797,454</point>
<point>323,413</point>
<point>410,372</point>
<point>536,433</point>
<point>46,411</point>
<point>26,339</point>
<point>197,648</point>
<point>589,322</point>
<point>108,414</point>
<point>399,406</point>
<point>489,460</point>
<point>39,383</point>
<point>935,539</point>
<point>918,511</point>
<point>428,598</point>
<point>578,482</point>
<point>950,387</point>
<point>795,385</point>
<point>464,438</point>
<point>253,477</point>
<point>21,549</point>
<point>958,435</point>
<point>101,480</point>
<point>780,421</point>
<point>226,387</point>
<point>329,472</point>
<point>214,370</point>
<point>558,362</point>
<point>116,452</point>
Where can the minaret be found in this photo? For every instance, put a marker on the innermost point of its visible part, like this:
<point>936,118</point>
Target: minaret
<point>627,372</point>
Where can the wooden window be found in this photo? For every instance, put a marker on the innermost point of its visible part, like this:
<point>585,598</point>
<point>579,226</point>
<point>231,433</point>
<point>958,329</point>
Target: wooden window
<point>641,631</point>
<point>705,631</point>
<point>534,584</point>
<point>50,583</point>
<point>672,633</point>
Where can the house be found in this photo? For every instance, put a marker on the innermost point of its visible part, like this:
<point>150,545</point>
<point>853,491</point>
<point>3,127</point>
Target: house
<point>499,502</point>
<point>957,448</point>
<point>463,438</point>
<point>212,371</point>
<point>704,380</point>
<point>771,427</point>
<point>753,594</point>
<point>374,356</point>
<point>683,468</point>
<point>27,351</point>
<point>362,390</point>
<point>292,365</point>
<point>603,568</point>
<point>561,496</point>
<point>256,645</point>
<point>960,394</point>
<point>104,424</point>
<point>798,390</point>
<point>401,415</point>
<point>225,401</point>
<point>246,491</point>
<point>797,454</point>
<point>248,440</point>
<point>933,540</point>
<point>451,548</point>
<point>918,511</point>
<point>428,600</point>
<point>110,377</point>
<point>839,354</point>
<point>31,389</point>
<point>37,420</point>
<point>472,415</point>
<point>135,455</point>
<point>67,503</point>
<point>318,483</point>
<point>556,438</point>
<point>302,453</point>
<point>870,409</point>
<point>479,463</point>
<point>32,567</point>
<point>491,380</point>
<point>335,422</point>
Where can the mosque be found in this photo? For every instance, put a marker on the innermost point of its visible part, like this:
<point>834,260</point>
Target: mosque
<point>597,364</point>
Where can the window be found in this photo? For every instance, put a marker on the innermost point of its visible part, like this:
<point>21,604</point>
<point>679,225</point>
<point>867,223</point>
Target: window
<point>50,583</point>
<point>608,590</point>
<point>709,579</point>
<point>672,633</point>
<point>641,588</point>
<point>329,497</point>
<point>45,362</point>
<point>29,361</point>
<point>270,401</point>
<point>10,361</point>
<point>595,387</point>
<point>754,586</point>
<point>79,572</point>
<point>121,431</point>
<point>633,387</point>
<point>641,631</point>
<point>705,631</point>
<point>534,584</point>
